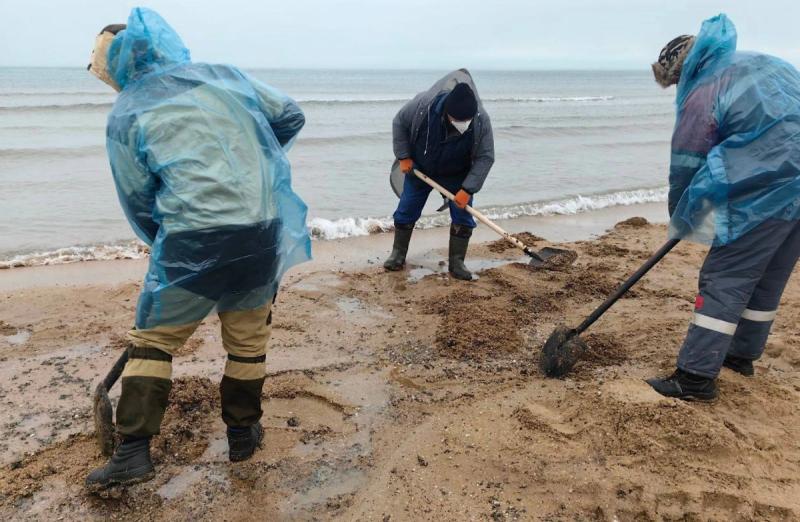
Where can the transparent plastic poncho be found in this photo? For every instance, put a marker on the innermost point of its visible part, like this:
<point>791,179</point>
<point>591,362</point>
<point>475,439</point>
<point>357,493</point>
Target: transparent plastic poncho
<point>198,155</point>
<point>747,105</point>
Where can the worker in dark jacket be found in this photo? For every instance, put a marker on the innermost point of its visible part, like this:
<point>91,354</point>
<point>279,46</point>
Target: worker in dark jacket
<point>445,133</point>
<point>734,184</point>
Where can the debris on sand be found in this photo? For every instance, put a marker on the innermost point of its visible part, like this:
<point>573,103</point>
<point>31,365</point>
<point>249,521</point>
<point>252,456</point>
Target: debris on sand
<point>193,402</point>
<point>7,329</point>
<point>634,222</point>
<point>501,245</point>
<point>474,326</point>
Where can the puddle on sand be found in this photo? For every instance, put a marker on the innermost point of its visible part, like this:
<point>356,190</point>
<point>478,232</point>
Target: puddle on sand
<point>473,265</point>
<point>317,282</point>
<point>178,484</point>
<point>354,306</point>
<point>327,481</point>
<point>338,471</point>
<point>21,337</point>
<point>417,274</point>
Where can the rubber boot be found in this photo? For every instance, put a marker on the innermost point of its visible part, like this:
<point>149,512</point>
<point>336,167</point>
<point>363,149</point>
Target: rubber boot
<point>130,464</point>
<point>243,442</point>
<point>459,242</point>
<point>402,237</point>
<point>686,386</point>
<point>739,365</point>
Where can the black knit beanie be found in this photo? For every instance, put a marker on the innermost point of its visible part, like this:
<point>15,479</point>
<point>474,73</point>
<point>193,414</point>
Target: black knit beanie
<point>461,103</point>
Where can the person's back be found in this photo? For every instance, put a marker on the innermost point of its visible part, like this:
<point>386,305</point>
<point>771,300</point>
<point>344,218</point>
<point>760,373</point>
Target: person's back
<point>734,184</point>
<point>738,117</point>
<point>200,133</point>
<point>198,156</point>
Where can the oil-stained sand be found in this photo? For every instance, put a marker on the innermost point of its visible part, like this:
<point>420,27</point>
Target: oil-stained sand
<point>393,398</point>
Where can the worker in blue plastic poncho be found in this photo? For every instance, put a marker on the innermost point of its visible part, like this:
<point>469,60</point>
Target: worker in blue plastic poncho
<point>198,155</point>
<point>734,184</point>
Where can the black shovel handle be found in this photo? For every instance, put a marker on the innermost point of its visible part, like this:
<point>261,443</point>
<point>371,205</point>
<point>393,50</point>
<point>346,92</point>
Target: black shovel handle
<point>624,287</point>
<point>115,371</point>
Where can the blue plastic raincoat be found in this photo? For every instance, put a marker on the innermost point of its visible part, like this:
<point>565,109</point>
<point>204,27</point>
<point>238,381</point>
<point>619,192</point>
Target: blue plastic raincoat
<point>736,144</point>
<point>198,155</point>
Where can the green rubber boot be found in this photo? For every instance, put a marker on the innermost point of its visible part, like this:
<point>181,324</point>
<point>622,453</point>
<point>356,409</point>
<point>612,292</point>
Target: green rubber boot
<point>402,237</point>
<point>459,242</point>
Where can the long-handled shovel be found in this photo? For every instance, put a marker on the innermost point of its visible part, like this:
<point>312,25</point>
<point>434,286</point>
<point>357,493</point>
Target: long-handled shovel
<point>103,411</point>
<point>538,259</point>
<point>564,346</point>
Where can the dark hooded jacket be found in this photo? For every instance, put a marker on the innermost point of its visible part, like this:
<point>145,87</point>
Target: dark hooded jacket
<point>411,124</point>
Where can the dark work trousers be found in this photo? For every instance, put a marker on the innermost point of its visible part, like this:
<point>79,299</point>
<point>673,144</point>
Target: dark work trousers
<point>740,288</point>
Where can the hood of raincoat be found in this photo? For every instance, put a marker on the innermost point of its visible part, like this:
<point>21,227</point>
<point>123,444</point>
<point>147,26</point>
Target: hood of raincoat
<point>735,161</point>
<point>714,45</point>
<point>198,157</point>
<point>148,45</point>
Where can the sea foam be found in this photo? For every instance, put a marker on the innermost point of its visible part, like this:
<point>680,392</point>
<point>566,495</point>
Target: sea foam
<point>326,229</point>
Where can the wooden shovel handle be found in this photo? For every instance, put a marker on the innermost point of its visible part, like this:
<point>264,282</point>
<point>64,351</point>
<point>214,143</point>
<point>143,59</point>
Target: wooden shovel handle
<point>477,214</point>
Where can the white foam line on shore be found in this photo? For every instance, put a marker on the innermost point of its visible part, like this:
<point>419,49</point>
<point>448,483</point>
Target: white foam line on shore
<point>325,229</point>
<point>132,249</point>
<point>322,228</point>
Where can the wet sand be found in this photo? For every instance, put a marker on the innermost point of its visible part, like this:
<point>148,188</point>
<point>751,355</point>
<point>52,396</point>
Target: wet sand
<point>412,396</point>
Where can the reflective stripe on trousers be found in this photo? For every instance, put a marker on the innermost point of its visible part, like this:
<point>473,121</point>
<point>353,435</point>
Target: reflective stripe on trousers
<point>740,289</point>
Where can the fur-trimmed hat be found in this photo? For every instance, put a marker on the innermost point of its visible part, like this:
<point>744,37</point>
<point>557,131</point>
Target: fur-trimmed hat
<point>667,70</point>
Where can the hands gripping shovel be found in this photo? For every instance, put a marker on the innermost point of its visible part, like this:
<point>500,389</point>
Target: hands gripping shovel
<point>540,259</point>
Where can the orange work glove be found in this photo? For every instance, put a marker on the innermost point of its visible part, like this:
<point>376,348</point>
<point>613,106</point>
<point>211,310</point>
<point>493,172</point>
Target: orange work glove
<point>462,198</point>
<point>406,165</point>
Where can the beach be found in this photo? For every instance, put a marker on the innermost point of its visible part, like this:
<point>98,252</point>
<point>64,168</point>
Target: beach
<point>413,396</point>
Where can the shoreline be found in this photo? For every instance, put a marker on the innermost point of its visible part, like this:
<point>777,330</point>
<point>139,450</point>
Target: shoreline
<point>419,385</point>
<point>349,253</point>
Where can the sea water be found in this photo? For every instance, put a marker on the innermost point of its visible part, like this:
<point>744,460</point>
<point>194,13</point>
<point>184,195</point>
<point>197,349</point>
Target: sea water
<point>566,142</point>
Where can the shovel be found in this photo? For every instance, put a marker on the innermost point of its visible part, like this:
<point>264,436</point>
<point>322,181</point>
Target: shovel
<point>103,411</point>
<point>538,259</point>
<point>564,346</point>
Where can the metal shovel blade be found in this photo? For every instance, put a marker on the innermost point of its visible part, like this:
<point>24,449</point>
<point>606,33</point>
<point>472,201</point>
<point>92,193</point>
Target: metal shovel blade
<point>103,420</point>
<point>561,351</point>
<point>550,257</point>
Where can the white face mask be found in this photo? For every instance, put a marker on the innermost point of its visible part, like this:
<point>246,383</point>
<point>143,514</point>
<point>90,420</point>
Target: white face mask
<point>461,126</point>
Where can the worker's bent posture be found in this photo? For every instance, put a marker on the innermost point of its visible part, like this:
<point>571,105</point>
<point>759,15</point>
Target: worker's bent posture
<point>734,184</point>
<point>446,133</point>
<point>198,155</point>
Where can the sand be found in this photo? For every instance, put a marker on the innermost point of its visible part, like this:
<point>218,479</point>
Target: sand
<point>412,396</point>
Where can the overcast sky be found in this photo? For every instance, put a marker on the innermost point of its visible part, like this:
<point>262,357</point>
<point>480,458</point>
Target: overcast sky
<point>409,34</point>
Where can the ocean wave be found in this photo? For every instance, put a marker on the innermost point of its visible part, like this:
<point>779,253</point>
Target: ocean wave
<point>133,249</point>
<point>345,138</point>
<point>39,94</point>
<point>379,101</point>
<point>326,229</point>
<point>322,228</point>
<point>83,106</point>
<point>58,107</point>
<point>52,152</point>
<point>551,99</point>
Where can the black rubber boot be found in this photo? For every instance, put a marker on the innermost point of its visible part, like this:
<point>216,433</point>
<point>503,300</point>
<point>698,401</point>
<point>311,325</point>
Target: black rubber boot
<point>130,464</point>
<point>686,386</point>
<point>459,242</point>
<point>242,442</point>
<point>402,237</point>
<point>739,365</point>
